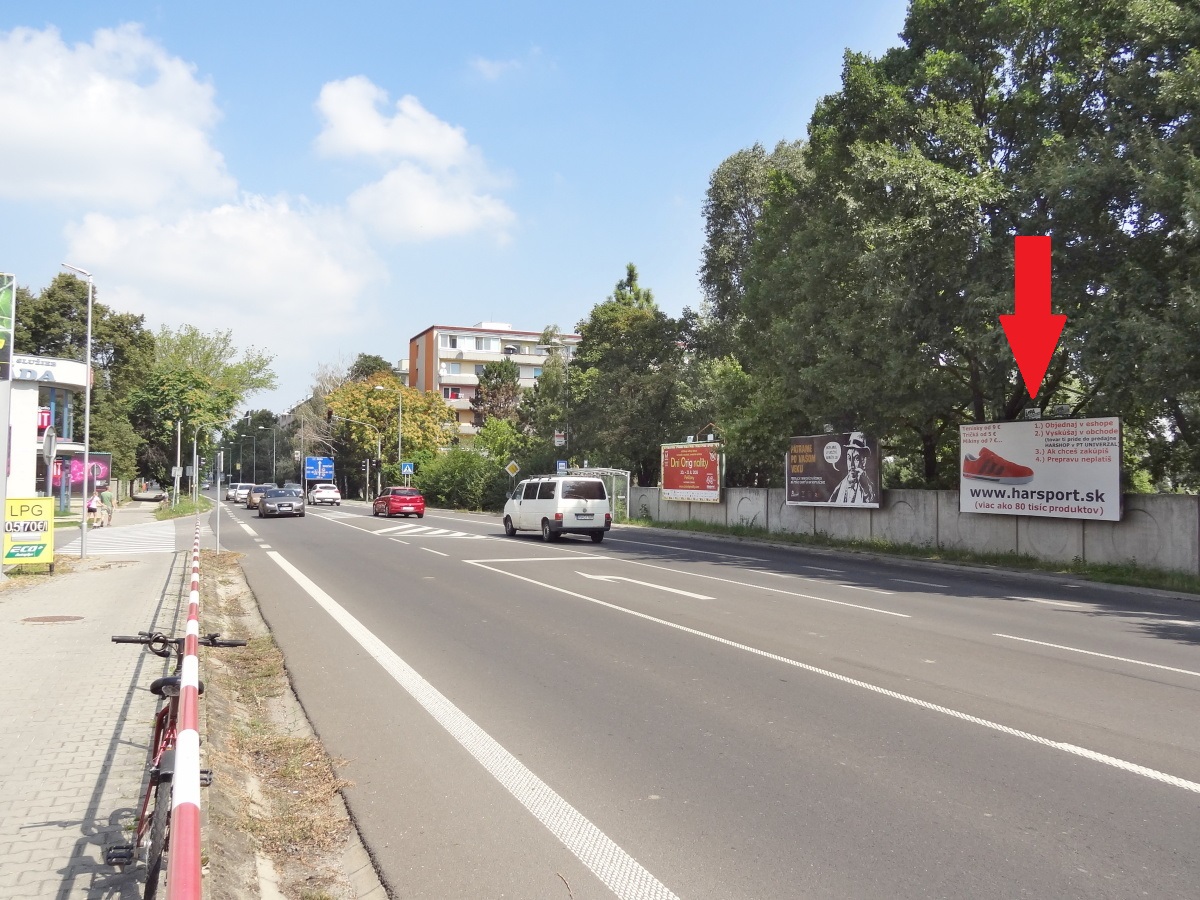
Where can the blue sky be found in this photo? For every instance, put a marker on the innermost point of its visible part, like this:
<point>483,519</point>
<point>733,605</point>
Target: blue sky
<point>331,179</point>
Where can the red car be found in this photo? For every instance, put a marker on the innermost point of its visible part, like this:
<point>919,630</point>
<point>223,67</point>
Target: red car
<point>399,501</point>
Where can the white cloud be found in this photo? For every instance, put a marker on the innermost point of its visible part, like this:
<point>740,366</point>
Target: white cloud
<point>438,184</point>
<point>281,277</point>
<point>494,69</point>
<point>409,203</point>
<point>117,123</point>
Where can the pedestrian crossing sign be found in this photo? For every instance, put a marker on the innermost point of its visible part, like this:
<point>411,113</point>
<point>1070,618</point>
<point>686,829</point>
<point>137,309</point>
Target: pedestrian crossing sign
<point>406,468</point>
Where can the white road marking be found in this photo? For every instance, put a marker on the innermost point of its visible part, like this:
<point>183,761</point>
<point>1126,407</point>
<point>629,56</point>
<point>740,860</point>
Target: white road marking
<point>1067,603</point>
<point>534,559</point>
<point>686,549</point>
<point>855,587</point>
<point>763,587</point>
<point>1136,662</point>
<point>620,872</point>
<point>398,541</point>
<point>391,528</point>
<point>822,569</point>
<point>438,552</point>
<point>1072,749</point>
<point>921,583</point>
<point>657,587</point>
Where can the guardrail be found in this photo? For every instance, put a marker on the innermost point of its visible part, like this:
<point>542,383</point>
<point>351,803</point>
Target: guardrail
<point>183,862</point>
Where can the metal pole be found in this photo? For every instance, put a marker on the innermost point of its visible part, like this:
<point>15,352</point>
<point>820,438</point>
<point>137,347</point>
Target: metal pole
<point>217,505</point>
<point>87,416</point>
<point>254,461</point>
<point>178,459</point>
<point>379,468</point>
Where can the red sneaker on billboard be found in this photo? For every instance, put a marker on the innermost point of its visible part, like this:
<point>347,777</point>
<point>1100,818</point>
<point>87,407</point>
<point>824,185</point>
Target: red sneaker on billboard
<point>987,466</point>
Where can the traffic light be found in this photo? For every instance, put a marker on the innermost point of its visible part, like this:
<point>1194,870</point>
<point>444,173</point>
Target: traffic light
<point>329,416</point>
<point>366,465</point>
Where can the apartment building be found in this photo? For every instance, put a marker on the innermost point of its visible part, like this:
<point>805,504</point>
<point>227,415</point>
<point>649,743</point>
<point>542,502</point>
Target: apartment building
<point>449,359</point>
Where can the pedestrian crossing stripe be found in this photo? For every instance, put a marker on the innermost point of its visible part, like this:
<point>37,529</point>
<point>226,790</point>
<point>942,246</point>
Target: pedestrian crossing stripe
<point>426,531</point>
<point>152,537</point>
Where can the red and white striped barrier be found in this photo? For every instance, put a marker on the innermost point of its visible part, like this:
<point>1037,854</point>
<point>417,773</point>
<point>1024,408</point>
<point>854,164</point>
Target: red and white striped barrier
<point>183,863</point>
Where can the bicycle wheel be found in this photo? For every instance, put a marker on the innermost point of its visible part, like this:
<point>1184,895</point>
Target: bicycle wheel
<point>158,838</point>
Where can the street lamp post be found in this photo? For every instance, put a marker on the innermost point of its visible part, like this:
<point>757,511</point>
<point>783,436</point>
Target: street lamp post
<point>87,412</point>
<point>399,426</point>
<point>273,457</point>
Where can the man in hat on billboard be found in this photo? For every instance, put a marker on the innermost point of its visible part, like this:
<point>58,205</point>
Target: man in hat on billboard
<point>856,488</point>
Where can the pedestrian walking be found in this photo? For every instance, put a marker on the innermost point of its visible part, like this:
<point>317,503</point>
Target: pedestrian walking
<point>107,499</point>
<point>93,508</point>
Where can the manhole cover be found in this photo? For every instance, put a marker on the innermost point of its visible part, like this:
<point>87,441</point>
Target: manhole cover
<point>51,620</point>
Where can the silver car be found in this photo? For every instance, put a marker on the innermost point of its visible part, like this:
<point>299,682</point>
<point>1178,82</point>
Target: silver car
<point>281,502</point>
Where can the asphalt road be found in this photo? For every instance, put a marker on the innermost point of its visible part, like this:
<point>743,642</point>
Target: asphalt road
<point>663,715</point>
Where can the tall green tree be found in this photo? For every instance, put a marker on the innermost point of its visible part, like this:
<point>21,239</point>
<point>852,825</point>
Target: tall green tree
<point>625,382</point>
<point>499,392</point>
<point>367,365</point>
<point>880,276</point>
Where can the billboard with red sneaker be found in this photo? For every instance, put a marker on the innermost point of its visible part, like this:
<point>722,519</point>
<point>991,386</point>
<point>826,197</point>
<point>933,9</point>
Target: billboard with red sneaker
<point>1061,468</point>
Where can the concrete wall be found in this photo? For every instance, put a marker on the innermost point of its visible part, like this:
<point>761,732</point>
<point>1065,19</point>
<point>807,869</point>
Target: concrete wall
<point>1160,531</point>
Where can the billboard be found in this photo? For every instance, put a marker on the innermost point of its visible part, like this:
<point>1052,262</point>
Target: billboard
<point>691,472</point>
<point>832,470</point>
<point>101,464</point>
<point>1060,468</point>
<point>8,301</point>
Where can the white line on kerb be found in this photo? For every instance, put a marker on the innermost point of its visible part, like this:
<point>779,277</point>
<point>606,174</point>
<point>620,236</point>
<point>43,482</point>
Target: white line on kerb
<point>1113,761</point>
<point>620,872</point>
<point>1136,662</point>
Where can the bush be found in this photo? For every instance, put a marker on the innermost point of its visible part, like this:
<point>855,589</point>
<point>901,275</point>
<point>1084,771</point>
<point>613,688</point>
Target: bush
<point>462,479</point>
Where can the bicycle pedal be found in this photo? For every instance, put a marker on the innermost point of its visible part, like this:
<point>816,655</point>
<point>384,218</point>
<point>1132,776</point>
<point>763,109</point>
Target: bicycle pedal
<point>206,778</point>
<point>119,855</point>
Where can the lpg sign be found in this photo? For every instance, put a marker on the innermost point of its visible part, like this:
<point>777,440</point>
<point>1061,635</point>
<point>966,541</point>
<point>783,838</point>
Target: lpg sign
<point>29,531</point>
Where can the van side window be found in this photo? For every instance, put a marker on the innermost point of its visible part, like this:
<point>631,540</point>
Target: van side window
<point>546,490</point>
<point>530,491</point>
<point>583,490</point>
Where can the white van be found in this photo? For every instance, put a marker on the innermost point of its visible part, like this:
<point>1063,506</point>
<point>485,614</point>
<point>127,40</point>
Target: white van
<point>559,504</point>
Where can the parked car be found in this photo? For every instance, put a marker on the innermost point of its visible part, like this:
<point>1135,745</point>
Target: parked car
<point>243,490</point>
<point>399,501</point>
<point>559,504</point>
<point>255,494</point>
<point>281,502</point>
<point>325,493</point>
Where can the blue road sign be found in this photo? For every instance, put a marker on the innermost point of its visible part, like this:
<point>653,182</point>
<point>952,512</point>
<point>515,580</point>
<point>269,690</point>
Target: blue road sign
<point>318,468</point>
<point>406,468</point>
<point>562,467</point>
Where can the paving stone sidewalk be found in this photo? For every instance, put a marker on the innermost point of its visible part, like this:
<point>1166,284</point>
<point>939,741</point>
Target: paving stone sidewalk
<point>76,713</point>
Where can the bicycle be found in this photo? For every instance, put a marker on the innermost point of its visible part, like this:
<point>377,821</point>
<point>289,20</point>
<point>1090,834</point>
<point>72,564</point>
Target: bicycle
<point>154,824</point>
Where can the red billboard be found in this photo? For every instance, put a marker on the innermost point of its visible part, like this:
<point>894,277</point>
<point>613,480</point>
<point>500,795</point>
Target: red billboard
<point>691,472</point>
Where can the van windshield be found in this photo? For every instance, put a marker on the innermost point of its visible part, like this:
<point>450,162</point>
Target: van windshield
<point>583,490</point>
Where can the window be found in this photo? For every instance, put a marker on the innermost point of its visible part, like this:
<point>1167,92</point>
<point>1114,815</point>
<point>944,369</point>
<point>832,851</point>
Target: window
<point>450,341</point>
<point>546,490</point>
<point>454,368</point>
<point>479,367</point>
<point>490,344</point>
<point>452,393</point>
<point>531,489</point>
<point>583,489</point>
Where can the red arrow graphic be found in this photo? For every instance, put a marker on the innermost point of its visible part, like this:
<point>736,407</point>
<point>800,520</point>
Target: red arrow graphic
<point>1034,331</point>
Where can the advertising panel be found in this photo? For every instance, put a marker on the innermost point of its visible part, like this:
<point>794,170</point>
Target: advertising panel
<point>28,531</point>
<point>101,464</point>
<point>8,300</point>
<point>832,470</point>
<point>1060,468</point>
<point>691,472</point>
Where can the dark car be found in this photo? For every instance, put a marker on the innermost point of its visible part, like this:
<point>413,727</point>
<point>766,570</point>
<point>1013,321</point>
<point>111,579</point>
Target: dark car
<point>281,502</point>
<point>399,501</point>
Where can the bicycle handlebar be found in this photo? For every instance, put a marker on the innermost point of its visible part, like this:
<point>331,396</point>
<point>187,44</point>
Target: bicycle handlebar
<point>158,643</point>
